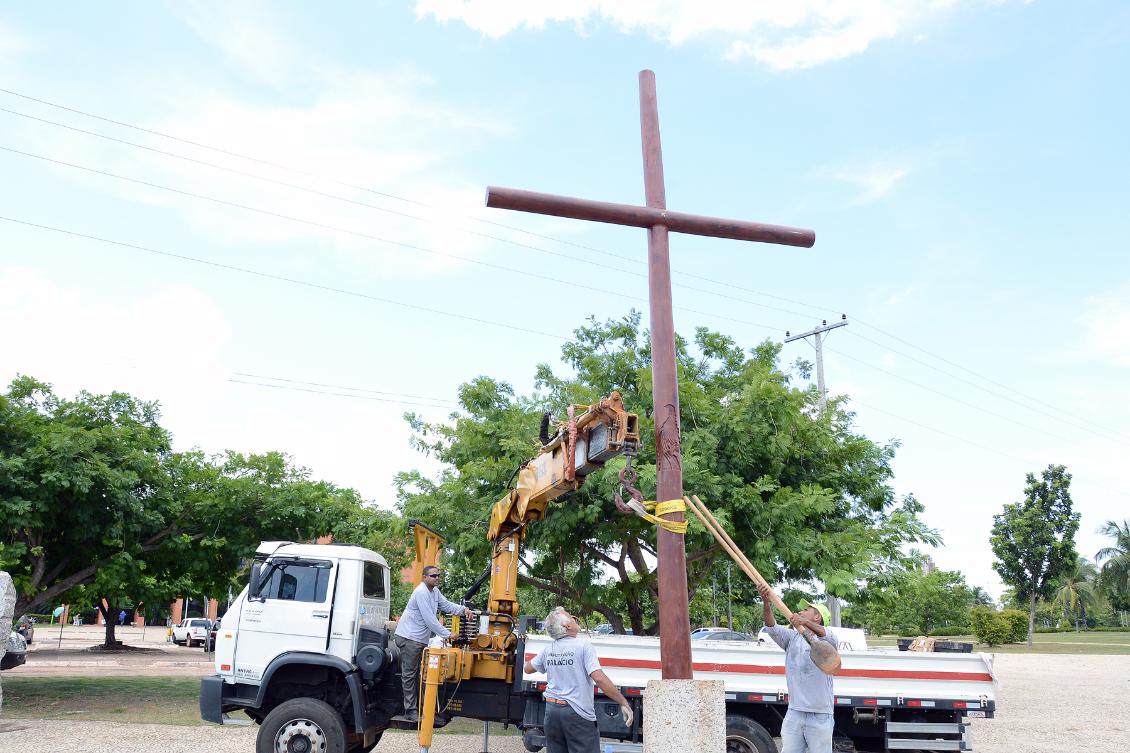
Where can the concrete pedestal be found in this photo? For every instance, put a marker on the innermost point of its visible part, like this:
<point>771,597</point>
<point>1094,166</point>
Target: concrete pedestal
<point>7,614</point>
<point>684,716</point>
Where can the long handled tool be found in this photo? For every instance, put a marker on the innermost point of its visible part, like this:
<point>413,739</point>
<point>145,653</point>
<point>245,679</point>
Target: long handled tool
<point>824,654</point>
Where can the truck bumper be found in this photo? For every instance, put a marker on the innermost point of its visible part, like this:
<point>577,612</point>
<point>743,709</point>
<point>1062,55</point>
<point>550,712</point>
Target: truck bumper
<point>211,699</point>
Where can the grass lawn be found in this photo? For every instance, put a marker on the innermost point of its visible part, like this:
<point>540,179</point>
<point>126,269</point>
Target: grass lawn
<point>1044,643</point>
<point>151,700</point>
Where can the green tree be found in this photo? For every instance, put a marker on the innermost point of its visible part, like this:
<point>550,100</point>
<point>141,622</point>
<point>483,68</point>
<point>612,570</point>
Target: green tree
<point>804,495</point>
<point>96,504</point>
<point>1076,593</point>
<point>913,598</point>
<point>1114,577</point>
<point>1034,540</point>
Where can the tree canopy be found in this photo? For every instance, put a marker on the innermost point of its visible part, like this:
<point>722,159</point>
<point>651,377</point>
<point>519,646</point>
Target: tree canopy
<point>96,504</point>
<point>1114,577</point>
<point>914,599</point>
<point>1034,540</point>
<point>803,494</point>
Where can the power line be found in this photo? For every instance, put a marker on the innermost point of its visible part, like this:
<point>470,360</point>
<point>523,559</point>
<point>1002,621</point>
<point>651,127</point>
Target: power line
<point>369,236</point>
<point>282,278</point>
<point>342,387</point>
<point>295,388</point>
<point>389,195</point>
<point>604,252</point>
<point>948,396</point>
<point>984,378</point>
<point>944,433</point>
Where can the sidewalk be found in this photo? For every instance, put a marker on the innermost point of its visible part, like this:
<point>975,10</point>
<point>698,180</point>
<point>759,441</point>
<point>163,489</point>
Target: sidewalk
<point>69,654</point>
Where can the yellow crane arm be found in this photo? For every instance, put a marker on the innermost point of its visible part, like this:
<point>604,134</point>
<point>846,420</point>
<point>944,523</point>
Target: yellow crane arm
<point>590,437</point>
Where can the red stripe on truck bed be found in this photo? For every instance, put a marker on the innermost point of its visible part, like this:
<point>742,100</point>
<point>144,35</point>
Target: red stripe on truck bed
<point>758,669</point>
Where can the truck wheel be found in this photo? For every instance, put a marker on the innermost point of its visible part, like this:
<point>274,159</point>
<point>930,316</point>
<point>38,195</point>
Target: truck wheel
<point>743,735</point>
<point>301,725</point>
<point>533,740</point>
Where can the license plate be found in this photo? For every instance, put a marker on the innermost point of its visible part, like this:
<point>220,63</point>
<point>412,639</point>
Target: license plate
<point>975,714</point>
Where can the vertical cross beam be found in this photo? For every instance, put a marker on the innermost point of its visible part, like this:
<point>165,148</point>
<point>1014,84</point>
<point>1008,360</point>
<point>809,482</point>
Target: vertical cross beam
<point>674,617</point>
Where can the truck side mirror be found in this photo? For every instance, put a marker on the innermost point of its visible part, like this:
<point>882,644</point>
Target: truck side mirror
<point>253,587</point>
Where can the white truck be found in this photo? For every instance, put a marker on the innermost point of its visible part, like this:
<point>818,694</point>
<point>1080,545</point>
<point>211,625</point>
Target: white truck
<point>189,632</point>
<point>304,651</point>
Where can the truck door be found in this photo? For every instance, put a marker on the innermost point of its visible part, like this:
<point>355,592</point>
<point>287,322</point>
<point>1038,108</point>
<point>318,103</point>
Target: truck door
<point>290,612</point>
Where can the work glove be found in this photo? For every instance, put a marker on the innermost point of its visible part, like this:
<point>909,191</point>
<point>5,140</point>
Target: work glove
<point>626,712</point>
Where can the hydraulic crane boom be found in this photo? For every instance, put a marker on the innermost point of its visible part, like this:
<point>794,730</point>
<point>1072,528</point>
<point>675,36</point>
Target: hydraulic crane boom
<point>592,435</point>
<point>486,653</point>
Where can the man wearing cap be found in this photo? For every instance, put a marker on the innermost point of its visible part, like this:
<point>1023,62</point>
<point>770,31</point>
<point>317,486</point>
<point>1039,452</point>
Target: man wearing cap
<point>808,722</point>
<point>417,625</point>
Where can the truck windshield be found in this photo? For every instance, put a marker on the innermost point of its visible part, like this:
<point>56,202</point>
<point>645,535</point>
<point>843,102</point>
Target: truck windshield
<point>295,580</point>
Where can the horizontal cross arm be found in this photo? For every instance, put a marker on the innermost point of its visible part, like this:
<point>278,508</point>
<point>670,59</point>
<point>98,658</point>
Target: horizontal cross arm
<point>628,214</point>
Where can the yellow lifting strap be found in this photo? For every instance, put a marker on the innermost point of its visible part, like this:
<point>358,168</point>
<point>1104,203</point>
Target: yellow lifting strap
<point>662,508</point>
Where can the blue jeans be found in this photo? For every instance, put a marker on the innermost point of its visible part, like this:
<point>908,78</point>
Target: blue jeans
<point>805,729</point>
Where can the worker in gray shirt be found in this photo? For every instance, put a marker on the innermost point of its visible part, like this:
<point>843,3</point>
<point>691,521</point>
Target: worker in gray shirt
<point>808,722</point>
<point>571,669</point>
<point>417,625</point>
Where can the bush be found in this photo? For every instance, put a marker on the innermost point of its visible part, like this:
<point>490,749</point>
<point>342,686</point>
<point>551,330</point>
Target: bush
<point>990,626</point>
<point>1018,625</point>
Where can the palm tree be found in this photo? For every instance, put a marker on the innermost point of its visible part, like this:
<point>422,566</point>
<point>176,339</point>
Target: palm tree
<point>1115,575</point>
<point>1077,590</point>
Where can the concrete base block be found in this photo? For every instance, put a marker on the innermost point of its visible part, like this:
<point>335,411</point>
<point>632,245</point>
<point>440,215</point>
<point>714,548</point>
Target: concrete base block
<point>684,716</point>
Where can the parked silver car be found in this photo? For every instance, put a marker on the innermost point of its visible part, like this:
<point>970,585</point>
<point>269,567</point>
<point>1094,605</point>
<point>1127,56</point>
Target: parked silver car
<point>17,652</point>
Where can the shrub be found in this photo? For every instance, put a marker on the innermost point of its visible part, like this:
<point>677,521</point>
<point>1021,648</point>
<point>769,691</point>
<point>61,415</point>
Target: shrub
<point>990,626</point>
<point>1018,625</point>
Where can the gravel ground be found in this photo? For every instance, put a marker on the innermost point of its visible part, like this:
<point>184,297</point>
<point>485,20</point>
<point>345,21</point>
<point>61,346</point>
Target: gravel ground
<point>1051,703</point>
<point>1047,703</point>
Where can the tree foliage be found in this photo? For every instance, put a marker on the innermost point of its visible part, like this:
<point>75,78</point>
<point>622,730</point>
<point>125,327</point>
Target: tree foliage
<point>1114,577</point>
<point>804,495</point>
<point>1034,540</point>
<point>913,599</point>
<point>97,506</point>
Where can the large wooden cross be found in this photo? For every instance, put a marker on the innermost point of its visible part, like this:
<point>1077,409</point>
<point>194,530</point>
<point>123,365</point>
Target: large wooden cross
<point>674,621</point>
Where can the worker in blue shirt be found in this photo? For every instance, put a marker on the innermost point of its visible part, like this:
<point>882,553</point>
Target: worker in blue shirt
<point>808,722</point>
<point>417,625</point>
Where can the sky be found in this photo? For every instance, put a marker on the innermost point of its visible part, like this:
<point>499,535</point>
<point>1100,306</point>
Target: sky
<point>269,217</point>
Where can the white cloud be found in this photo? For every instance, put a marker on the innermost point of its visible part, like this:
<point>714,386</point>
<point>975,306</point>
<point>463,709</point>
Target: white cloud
<point>159,341</point>
<point>874,180</point>
<point>780,35</point>
<point>1106,326</point>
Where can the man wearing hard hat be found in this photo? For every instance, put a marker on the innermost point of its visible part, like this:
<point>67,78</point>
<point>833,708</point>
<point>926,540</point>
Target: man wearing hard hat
<point>808,723</point>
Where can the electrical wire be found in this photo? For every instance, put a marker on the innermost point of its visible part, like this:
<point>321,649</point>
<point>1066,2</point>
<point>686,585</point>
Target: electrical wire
<point>947,396</point>
<point>994,450</point>
<point>370,236</point>
<point>604,252</point>
<point>1003,396</point>
<point>340,394</point>
<point>343,387</point>
<point>283,278</point>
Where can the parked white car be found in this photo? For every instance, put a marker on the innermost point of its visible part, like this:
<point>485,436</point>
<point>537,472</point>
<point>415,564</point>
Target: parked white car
<point>192,631</point>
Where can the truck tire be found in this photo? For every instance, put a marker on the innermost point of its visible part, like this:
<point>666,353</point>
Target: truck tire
<point>743,735</point>
<point>301,725</point>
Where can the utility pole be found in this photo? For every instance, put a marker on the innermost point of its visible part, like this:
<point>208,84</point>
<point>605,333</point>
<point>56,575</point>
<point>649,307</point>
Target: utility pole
<point>729,600</point>
<point>817,334</point>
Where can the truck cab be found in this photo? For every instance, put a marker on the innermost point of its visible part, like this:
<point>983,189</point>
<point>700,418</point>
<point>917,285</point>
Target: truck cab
<point>308,632</point>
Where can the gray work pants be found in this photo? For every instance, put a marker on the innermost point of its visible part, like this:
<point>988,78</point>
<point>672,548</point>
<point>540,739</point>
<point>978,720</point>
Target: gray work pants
<point>411,654</point>
<point>566,731</point>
